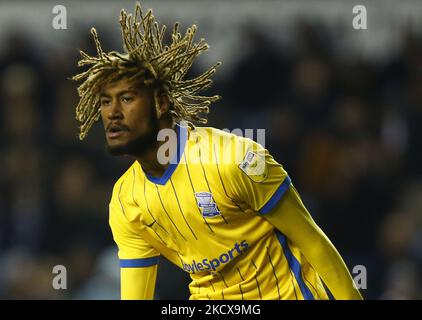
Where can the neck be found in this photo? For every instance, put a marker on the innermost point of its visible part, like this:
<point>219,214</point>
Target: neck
<point>149,159</point>
<point>150,164</point>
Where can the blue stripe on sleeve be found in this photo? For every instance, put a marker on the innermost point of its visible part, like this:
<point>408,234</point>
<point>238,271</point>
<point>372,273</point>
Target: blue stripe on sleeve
<point>295,267</point>
<point>327,291</point>
<point>276,196</point>
<point>138,263</point>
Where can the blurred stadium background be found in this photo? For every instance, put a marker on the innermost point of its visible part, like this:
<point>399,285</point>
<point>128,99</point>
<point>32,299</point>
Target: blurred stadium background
<point>342,111</point>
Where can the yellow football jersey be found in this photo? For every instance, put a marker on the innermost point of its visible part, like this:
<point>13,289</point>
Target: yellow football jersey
<point>205,214</point>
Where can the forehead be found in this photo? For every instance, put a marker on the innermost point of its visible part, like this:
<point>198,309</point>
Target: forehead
<point>120,85</point>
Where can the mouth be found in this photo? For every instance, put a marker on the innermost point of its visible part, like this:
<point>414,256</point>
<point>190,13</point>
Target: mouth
<point>114,131</point>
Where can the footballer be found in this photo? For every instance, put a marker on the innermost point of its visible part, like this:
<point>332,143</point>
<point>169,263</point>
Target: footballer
<point>221,208</point>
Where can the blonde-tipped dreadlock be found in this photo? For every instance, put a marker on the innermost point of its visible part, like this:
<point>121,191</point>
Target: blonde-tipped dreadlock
<point>147,59</point>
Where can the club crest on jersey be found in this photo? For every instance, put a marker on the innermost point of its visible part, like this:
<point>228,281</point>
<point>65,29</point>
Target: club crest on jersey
<point>206,204</point>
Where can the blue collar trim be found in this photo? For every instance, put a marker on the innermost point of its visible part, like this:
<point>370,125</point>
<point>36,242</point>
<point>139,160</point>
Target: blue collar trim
<point>182,136</point>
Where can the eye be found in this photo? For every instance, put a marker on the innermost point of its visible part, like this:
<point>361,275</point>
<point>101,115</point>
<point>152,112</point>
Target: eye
<point>104,102</point>
<point>127,99</point>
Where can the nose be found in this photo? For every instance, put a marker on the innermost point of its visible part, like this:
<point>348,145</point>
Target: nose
<point>115,111</point>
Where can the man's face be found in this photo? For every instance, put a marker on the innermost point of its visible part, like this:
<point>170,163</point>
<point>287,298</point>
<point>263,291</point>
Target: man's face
<point>129,117</point>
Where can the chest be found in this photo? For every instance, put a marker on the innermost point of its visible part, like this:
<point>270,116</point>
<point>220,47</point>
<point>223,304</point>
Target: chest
<point>193,210</point>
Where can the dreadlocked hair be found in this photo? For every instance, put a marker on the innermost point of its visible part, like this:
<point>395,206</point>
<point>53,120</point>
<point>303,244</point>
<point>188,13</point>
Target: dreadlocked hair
<point>148,60</point>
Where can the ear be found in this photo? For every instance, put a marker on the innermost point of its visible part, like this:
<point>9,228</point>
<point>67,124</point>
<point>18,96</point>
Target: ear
<point>163,104</point>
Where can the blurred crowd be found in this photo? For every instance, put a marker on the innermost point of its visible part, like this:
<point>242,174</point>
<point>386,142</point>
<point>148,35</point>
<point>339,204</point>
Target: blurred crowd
<point>347,129</point>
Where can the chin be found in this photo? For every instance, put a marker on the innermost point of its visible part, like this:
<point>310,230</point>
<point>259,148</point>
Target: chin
<point>117,149</point>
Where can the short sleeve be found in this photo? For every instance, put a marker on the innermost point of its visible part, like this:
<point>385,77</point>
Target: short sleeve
<point>134,251</point>
<point>257,179</point>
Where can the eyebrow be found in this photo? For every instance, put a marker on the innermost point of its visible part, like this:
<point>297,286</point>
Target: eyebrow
<point>122,92</point>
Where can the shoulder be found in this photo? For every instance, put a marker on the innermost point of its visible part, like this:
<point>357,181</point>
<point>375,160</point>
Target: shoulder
<point>211,145</point>
<point>225,149</point>
<point>216,138</point>
<point>124,183</point>
<point>211,131</point>
<point>227,142</point>
<point>122,205</point>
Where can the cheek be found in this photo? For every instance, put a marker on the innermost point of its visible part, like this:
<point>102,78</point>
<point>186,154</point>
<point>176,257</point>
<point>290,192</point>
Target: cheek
<point>103,116</point>
<point>141,116</point>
